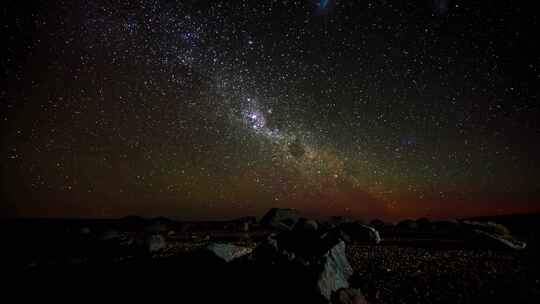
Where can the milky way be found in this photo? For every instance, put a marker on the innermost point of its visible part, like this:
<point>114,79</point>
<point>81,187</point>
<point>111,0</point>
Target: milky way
<point>218,109</point>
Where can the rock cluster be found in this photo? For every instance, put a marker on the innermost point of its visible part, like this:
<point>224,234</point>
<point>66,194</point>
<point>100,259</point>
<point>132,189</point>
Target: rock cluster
<point>314,253</point>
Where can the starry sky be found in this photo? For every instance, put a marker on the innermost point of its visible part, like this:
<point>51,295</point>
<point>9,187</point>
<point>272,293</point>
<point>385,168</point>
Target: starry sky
<point>218,109</point>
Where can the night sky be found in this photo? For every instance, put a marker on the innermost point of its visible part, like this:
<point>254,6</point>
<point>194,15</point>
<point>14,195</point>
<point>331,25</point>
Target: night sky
<point>218,109</point>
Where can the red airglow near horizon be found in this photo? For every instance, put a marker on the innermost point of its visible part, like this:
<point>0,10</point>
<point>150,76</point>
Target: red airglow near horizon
<point>393,213</point>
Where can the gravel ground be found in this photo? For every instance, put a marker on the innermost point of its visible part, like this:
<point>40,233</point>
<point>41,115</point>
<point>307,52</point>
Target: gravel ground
<point>397,274</point>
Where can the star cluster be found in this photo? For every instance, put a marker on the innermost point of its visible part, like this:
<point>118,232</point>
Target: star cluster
<point>215,109</point>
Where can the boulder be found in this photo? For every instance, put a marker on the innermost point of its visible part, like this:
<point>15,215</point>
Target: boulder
<point>335,235</point>
<point>156,243</point>
<point>488,227</point>
<point>335,272</point>
<point>280,218</point>
<point>310,265</point>
<point>424,224</point>
<point>497,240</point>
<point>348,296</point>
<point>491,234</point>
<point>377,224</point>
<point>227,252</point>
<point>304,242</point>
<point>307,226</point>
<point>358,232</point>
<point>407,225</point>
<point>274,250</point>
<point>448,229</point>
<point>319,259</point>
<point>324,272</point>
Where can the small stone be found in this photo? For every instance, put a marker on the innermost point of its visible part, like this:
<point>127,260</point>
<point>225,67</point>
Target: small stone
<point>156,243</point>
<point>227,252</point>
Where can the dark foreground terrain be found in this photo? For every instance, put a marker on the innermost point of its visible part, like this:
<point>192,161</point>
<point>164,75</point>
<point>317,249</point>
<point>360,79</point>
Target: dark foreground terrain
<point>394,274</point>
<point>125,258</point>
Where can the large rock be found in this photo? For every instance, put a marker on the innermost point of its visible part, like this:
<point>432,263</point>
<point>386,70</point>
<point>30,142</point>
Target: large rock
<point>314,263</point>
<point>306,226</point>
<point>227,252</point>
<point>335,235</point>
<point>348,296</point>
<point>274,251</point>
<point>424,224</point>
<point>319,261</point>
<point>450,229</point>
<point>492,234</point>
<point>488,227</point>
<point>336,271</point>
<point>281,218</point>
<point>377,224</point>
<point>159,225</point>
<point>358,232</point>
<point>303,242</point>
<point>500,240</point>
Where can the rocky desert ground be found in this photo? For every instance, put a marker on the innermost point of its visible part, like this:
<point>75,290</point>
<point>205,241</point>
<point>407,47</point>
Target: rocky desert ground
<point>281,258</point>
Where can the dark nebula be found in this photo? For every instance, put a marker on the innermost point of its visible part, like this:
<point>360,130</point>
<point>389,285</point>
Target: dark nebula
<point>296,149</point>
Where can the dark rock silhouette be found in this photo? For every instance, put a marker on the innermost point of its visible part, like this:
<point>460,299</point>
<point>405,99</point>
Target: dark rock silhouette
<point>408,225</point>
<point>447,229</point>
<point>333,221</point>
<point>336,271</point>
<point>319,262</point>
<point>281,218</point>
<point>492,235</point>
<point>377,224</point>
<point>358,232</point>
<point>424,224</point>
<point>306,225</point>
